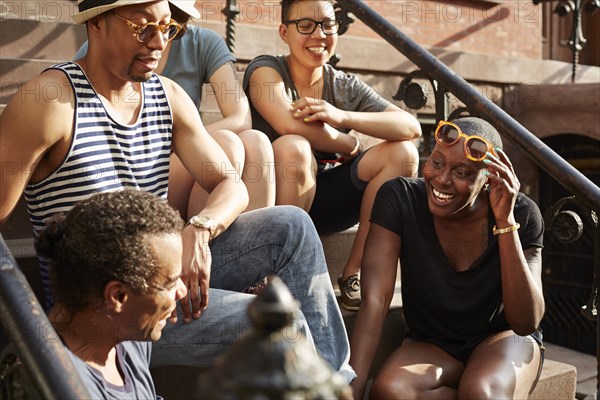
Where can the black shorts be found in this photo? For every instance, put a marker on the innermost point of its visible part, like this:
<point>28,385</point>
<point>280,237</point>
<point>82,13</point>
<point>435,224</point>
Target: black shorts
<point>336,206</point>
<point>537,336</point>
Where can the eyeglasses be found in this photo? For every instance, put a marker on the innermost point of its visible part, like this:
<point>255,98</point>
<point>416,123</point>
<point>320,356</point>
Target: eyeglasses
<point>475,147</point>
<point>307,26</point>
<point>146,32</point>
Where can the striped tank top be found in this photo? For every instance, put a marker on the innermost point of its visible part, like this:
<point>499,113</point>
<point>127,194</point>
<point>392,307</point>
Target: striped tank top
<point>104,155</point>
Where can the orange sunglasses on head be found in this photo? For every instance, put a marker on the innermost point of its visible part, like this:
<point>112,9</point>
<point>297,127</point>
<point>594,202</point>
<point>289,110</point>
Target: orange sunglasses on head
<point>475,147</point>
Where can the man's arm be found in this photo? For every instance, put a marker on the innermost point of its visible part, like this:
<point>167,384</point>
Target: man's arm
<point>205,160</point>
<point>231,99</point>
<point>228,197</point>
<point>35,130</point>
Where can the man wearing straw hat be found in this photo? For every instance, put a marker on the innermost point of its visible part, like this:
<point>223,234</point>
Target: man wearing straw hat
<point>107,122</point>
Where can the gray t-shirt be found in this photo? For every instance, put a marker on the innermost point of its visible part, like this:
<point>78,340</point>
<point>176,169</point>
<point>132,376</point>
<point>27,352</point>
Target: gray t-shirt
<point>192,60</point>
<point>134,361</point>
<point>342,90</point>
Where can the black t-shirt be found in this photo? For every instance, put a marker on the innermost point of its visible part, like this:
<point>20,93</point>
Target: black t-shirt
<point>454,310</point>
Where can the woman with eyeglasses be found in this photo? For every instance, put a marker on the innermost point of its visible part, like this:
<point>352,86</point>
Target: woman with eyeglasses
<point>469,246</point>
<point>307,108</point>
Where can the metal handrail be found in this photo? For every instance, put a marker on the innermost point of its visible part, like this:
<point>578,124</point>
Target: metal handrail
<point>564,173</point>
<point>37,344</point>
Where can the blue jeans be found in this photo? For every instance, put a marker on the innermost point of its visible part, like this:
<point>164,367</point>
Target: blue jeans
<point>280,241</point>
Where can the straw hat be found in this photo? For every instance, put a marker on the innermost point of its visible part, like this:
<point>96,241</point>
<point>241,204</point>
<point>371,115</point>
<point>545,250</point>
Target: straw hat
<point>90,8</point>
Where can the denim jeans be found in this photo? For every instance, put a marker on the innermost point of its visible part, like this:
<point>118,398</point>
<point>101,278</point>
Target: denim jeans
<point>278,240</point>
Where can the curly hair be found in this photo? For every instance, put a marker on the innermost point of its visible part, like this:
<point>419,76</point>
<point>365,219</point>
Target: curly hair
<point>480,127</point>
<point>286,5</point>
<point>104,238</point>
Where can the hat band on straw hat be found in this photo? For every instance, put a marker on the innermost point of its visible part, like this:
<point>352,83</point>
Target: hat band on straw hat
<point>91,8</point>
<point>87,4</point>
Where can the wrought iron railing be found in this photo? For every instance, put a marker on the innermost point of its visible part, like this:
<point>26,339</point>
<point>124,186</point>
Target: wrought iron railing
<point>37,345</point>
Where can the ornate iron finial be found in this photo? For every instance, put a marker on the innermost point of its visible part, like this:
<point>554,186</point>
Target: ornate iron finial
<point>414,94</point>
<point>343,17</point>
<point>576,40</point>
<point>274,361</point>
<point>231,11</point>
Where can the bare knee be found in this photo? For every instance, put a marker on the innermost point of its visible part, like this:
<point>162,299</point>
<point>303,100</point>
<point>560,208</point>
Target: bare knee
<point>295,171</point>
<point>393,386</point>
<point>405,155</point>
<point>231,144</point>
<point>292,148</point>
<point>486,388</point>
<point>255,140</point>
<point>293,158</point>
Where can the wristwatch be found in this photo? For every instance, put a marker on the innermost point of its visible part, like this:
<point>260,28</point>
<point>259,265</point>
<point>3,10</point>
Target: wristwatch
<point>202,221</point>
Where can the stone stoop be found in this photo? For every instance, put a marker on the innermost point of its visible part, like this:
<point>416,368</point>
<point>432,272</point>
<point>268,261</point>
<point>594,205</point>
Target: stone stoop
<point>178,382</point>
<point>558,381</point>
<point>337,248</point>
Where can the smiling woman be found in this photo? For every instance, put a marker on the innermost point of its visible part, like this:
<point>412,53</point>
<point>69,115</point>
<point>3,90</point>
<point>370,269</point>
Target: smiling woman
<point>308,108</point>
<point>119,280</point>
<point>469,246</point>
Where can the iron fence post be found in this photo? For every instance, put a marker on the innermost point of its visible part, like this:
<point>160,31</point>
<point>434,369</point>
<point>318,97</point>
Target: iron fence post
<point>32,334</point>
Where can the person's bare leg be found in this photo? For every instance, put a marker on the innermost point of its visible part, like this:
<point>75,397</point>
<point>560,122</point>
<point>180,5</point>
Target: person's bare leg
<point>418,370</point>
<point>180,186</point>
<point>504,366</point>
<point>259,169</point>
<point>295,171</point>
<point>234,149</point>
<point>380,164</point>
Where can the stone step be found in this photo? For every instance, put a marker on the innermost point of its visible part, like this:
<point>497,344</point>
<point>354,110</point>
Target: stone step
<point>17,226</point>
<point>35,10</point>
<point>586,365</point>
<point>14,72</point>
<point>36,40</point>
<point>337,248</point>
<point>557,381</point>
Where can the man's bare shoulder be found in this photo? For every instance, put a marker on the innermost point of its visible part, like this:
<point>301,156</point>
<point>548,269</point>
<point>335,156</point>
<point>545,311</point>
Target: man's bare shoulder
<point>49,90</point>
<point>179,100</point>
<point>43,105</point>
<point>171,87</point>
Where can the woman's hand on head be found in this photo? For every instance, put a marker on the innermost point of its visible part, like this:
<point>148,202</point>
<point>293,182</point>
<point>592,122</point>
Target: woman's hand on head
<point>503,185</point>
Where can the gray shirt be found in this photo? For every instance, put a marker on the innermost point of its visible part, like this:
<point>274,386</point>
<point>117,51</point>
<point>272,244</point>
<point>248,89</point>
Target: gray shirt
<point>342,90</point>
<point>133,359</point>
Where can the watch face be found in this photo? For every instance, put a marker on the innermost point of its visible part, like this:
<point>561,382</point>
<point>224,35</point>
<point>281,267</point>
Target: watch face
<point>202,221</point>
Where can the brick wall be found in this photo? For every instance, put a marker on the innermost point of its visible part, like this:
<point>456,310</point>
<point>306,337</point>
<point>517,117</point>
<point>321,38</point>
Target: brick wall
<point>501,28</point>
